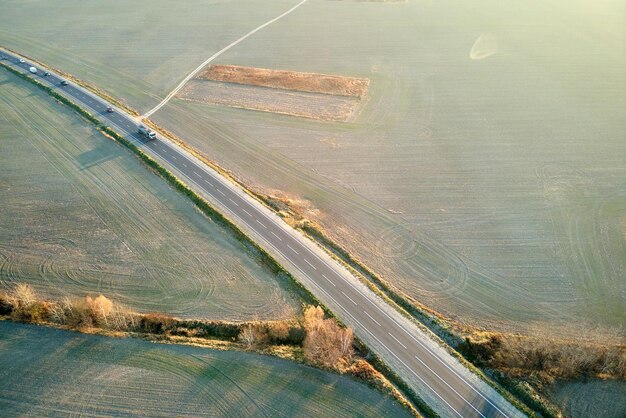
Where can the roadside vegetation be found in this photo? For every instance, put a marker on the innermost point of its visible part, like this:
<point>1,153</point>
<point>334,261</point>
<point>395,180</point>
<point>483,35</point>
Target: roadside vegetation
<point>314,340</point>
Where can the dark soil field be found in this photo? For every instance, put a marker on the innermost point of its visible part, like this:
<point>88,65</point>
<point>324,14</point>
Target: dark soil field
<point>49,372</point>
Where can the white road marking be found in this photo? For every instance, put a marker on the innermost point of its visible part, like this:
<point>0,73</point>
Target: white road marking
<point>279,238</point>
<point>291,248</point>
<point>174,157</point>
<point>428,349</point>
<point>247,213</point>
<point>261,223</point>
<point>217,54</point>
<point>331,282</point>
<point>349,298</point>
<point>372,318</point>
<point>307,261</point>
<point>397,340</point>
<point>208,182</point>
<point>221,192</point>
<point>184,165</point>
<point>196,173</point>
<point>232,201</point>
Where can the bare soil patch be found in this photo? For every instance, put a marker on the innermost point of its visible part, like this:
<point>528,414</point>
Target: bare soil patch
<point>308,95</point>
<point>294,103</point>
<point>288,80</point>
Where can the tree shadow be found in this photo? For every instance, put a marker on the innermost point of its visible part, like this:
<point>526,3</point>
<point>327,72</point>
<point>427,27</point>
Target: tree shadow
<point>95,156</point>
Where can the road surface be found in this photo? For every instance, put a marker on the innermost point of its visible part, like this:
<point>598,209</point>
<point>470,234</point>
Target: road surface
<point>443,382</point>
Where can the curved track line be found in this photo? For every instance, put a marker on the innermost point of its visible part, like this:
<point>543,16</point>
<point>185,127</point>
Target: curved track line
<point>212,57</point>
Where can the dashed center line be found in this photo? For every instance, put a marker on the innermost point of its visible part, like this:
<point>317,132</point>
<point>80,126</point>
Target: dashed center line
<point>261,223</point>
<point>291,248</point>
<point>196,173</point>
<point>247,213</point>
<point>349,298</point>
<point>391,335</point>
<point>208,182</point>
<point>279,238</point>
<point>232,201</point>
<point>372,318</point>
<point>307,261</point>
<point>174,157</point>
<point>331,282</point>
<point>221,192</point>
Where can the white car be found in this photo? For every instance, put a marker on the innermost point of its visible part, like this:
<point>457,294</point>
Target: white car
<point>22,61</point>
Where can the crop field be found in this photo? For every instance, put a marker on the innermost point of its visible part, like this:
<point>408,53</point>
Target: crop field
<point>485,175</point>
<point>136,51</point>
<point>592,398</point>
<point>80,215</point>
<point>48,372</point>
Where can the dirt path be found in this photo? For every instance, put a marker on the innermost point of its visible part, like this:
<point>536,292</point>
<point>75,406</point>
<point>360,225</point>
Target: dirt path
<point>217,54</point>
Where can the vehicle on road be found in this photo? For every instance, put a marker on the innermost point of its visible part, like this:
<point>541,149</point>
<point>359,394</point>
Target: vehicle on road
<point>21,61</point>
<point>147,132</point>
<point>109,109</point>
<point>46,74</point>
<point>64,82</point>
<point>33,70</point>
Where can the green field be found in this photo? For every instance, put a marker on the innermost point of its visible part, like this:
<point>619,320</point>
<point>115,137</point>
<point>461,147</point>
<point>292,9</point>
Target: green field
<point>80,215</point>
<point>486,175</point>
<point>137,51</point>
<point>591,398</point>
<point>49,372</point>
<point>492,189</point>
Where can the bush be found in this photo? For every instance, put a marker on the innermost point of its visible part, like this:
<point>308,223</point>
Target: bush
<point>480,353</point>
<point>6,304</point>
<point>253,335</point>
<point>326,344</point>
<point>156,323</point>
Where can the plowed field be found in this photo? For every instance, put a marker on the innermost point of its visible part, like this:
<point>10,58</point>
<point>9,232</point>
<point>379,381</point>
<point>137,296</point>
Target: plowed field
<point>49,372</point>
<point>80,215</point>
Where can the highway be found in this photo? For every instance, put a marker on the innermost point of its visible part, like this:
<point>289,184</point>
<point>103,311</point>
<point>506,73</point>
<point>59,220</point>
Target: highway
<point>442,381</point>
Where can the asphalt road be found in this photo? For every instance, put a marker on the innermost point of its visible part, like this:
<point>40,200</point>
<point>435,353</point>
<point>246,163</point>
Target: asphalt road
<point>447,386</point>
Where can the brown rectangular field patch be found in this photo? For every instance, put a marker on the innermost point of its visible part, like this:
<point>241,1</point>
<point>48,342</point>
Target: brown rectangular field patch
<point>288,80</point>
<point>309,95</point>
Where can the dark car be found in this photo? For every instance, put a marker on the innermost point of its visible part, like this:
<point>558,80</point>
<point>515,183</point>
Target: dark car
<point>46,74</point>
<point>64,83</point>
<point>109,109</point>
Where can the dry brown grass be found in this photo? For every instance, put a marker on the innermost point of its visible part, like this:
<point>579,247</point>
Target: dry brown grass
<point>288,80</point>
<point>544,358</point>
<point>326,343</point>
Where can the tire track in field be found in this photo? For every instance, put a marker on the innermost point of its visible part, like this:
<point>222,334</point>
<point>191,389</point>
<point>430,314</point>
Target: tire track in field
<point>584,235</point>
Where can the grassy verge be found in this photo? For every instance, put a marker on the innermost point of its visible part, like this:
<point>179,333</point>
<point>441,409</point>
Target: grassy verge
<point>221,220</point>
